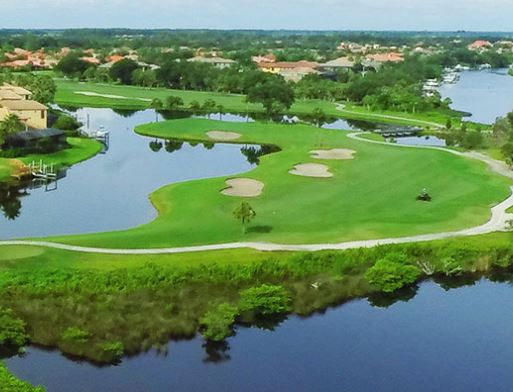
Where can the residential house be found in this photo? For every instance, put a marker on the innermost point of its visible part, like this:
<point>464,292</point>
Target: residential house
<point>293,71</point>
<point>338,64</point>
<point>17,100</point>
<point>268,58</point>
<point>389,57</point>
<point>480,45</point>
<point>217,62</point>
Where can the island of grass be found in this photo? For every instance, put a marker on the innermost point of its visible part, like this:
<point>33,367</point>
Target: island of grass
<point>372,196</point>
<point>80,149</point>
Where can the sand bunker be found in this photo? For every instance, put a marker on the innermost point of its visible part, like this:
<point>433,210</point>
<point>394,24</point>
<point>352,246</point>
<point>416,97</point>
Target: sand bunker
<point>311,170</point>
<point>334,154</point>
<point>221,135</point>
<point>243,187</point>
<point>92,94</point>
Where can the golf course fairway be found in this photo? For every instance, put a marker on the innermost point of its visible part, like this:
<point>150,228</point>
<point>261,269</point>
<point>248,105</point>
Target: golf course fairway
<point>370,195</point>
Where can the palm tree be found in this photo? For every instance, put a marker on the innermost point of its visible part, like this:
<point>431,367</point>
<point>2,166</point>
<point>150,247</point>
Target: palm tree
<point>11,124</point>
<point>157,105</point>
<point>244,213</point>
<point>221,111</point>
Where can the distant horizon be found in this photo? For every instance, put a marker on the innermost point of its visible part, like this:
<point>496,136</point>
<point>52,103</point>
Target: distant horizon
<point>305,15</point>
<point>171,29</point>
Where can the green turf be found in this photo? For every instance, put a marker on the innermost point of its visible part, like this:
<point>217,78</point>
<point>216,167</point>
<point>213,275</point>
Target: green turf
<point>80,150</point>
<point>140,98</point>
<point>372,196</point>
<point>6,168</point>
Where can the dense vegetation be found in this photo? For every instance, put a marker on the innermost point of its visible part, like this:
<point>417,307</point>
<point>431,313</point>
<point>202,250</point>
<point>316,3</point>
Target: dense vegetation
<point>103,314</point>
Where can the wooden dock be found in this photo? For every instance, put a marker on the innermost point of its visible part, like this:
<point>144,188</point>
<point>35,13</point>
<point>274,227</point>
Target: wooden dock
<point>43,171</point>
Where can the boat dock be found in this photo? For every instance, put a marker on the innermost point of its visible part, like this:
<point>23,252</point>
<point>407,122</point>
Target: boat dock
<point>43,171</point>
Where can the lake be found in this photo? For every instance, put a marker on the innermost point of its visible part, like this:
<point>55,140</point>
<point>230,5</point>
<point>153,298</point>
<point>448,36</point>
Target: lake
<point>455,340</point>
<point>486,94</point>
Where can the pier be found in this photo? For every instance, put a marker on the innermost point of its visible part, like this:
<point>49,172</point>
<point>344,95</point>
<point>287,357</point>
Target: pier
<point>43,171</point>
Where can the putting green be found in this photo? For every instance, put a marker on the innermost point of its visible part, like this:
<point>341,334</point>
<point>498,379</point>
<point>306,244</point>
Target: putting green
<point>371,196</point>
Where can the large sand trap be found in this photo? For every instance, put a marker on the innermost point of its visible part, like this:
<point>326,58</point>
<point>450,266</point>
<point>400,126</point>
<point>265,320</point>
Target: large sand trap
<point>92,94</point>
<point>311,170</point>
<point>334,154</point>
<point>243,187</point>
<point>221,135</point>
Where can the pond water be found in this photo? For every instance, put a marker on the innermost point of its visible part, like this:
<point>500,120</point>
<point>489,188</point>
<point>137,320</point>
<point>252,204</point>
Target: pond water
<point>96,195</point>
<point>421,141</point>
<point>486,94</point>
<point>456,340</point>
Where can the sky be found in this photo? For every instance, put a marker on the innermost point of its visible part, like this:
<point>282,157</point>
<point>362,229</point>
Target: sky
<point>445,15</point>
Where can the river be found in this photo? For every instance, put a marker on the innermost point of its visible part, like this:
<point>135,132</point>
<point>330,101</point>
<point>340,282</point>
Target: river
<point>455,340</point>
<point>486,94</point>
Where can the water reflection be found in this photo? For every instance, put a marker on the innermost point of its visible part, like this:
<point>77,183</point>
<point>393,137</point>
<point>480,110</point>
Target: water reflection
<point>10,200</point>
<point>96,194</point>
<point>413,345</point>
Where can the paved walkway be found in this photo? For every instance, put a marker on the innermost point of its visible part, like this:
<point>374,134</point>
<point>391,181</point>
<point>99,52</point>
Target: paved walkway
<point>498,222</point>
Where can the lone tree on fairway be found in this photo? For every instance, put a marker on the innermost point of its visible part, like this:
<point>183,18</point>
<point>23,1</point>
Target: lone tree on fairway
<point>244,213</point>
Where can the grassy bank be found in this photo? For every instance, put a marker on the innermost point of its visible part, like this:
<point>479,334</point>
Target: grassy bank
<point>10,383</point>
<point>84,305</point>
<point>371,196</point>
<point>82,94</point>
<point>80,149</point>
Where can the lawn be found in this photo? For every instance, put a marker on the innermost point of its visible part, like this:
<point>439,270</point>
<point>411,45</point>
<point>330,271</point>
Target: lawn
<point>132,97</point>
<point>80,150</point>
<point>372,196</point>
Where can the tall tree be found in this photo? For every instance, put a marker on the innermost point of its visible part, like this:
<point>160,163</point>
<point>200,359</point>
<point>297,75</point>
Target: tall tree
<point>275,95</point>
<point>123,71</point>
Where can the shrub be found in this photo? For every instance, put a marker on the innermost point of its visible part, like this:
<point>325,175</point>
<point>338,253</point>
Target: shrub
<point>112,351</point>
<point>392,273</point>
<point>12,329</point>
<point>66,123</point>
<point>217,324</point>
<point>75,335</point>
<point>265,300</point>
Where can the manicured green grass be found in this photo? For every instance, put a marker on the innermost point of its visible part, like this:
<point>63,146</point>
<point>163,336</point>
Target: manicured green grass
<point>372,136</point>
<point>32,258</point>
<point>372,196</point>
<point>80,150</point>
<point>140,98</point>
<point>6,168</point>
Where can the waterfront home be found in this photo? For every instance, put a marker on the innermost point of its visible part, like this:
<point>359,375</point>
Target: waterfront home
<point>17,100</point>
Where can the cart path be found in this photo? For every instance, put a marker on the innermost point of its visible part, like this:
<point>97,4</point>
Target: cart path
<point>498,222</point>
